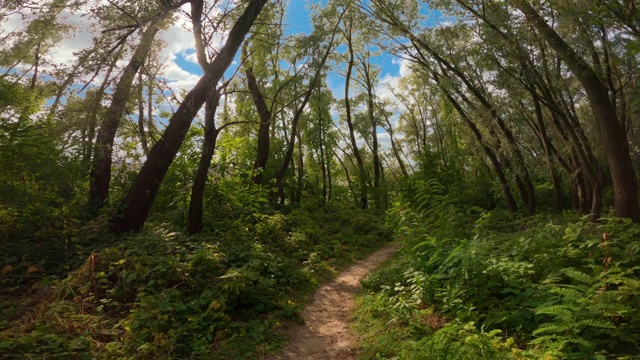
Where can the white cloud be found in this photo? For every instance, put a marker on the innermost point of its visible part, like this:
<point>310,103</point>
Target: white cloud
<point>178,37</point>
<point>178,78</point>
<point>405,69</point>
<point>78,39</point>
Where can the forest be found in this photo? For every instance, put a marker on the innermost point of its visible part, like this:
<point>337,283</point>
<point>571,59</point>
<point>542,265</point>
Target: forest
<point>179,176</point>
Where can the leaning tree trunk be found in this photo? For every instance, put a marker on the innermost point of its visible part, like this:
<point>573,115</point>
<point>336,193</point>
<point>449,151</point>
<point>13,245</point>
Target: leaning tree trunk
<point>279,185</point>
<point>504,183</point>
<point>196,211</point>
<point>92,115</point>
<point>614,138</point>
<point>264,131</point>
<point>145,188</point>
<point>100,174</point>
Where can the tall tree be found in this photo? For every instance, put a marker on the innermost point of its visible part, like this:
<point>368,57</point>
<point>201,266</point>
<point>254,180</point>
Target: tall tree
<point>362,175</point>
<point>140,197</point>
<point>100,174</point>
<point>614,138</point>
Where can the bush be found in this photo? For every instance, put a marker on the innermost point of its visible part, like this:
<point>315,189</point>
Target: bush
<point>536,287</point>
<point>161,294</point>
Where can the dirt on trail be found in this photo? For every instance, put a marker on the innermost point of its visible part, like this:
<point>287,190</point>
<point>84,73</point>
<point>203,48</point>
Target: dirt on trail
<point>325,334</point>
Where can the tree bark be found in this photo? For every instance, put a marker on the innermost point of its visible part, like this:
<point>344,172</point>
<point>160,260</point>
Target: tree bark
<point>145,188</point>
<point>196,208</point>
<point>92,114</point>
<point>394,146</point>
<point>100,174</point>
<point>506,188</point>
<point>614,138</point>
<point>352,137</point>
<point>323,166</point>
<point>264,130</point>
<point>141,132</point>
<point>374,130</point>
<point>300,169</point>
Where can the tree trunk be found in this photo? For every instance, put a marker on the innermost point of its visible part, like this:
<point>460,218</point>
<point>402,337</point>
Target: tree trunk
<point>196,208</point>
<point>352,137</point>
<point>100,175</point>
<point>349,182</point>
<point>92,114</point>
<point>614,138</point>
<point>300,169</point>
<point>506,188</point>
<point>290,144</point>
<point>374,131</point>
<point>145,188</point>
<point>141,132</point>
<point>329,181</point>
<point>264,132</point>
<point>394,146</point>
<point>322,159</point>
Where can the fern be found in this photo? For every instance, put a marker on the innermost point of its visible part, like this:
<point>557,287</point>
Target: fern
<point>578,276</point>
<point>596,323</point>
<point>549,328</point>
<point>560,311</point>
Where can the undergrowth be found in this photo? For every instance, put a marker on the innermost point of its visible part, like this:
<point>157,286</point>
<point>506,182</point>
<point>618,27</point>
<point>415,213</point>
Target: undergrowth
<point>162,294</point>
<point>470,284</point>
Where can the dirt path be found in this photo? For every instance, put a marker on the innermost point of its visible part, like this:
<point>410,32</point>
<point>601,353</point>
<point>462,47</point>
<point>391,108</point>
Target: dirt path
<point>325,334</point>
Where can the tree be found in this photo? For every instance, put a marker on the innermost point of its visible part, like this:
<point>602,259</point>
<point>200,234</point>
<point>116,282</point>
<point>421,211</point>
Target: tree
<point>100,174</point>
<point>614,138</point>
<point>140,198</point>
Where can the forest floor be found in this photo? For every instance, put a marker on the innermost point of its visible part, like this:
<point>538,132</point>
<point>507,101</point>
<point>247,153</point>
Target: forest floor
<point>325,333</point>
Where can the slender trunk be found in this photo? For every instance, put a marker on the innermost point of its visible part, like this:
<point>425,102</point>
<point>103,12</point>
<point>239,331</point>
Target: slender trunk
<point>100,175</point>
<point>150,123</point>
<point>614,138</point>
<point>374,130</point>
<point>322,160</point>
<point>141,132</point>
<point>329,181</point>
<point>280,173</point>
<point>92,115</point>
<point>300,168</point>
<point>145,188</point>
<point>546,146</point>
<point>349,182</point>
<point>264,131</point>
<point>290,144</point>
<point>36,65</point>
<point>196,208</point>
<point>596,196</point>
<point>395,147</point>
<point>506,188</point>
<point>356,152</point>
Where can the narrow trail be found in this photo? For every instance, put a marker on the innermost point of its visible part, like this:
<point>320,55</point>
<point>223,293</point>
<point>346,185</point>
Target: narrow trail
<point>325,334</point>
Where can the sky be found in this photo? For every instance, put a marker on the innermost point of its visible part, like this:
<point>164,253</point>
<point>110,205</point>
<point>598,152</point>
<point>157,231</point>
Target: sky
<point>298,20</point>
<point>181,69</point>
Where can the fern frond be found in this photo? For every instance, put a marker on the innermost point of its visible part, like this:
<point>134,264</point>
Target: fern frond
<point>551,328</point>
<point>596,323</point>
<point>569,293</point>
<point>578,276</point>
<point>561,311</point>
<point>543,340</point>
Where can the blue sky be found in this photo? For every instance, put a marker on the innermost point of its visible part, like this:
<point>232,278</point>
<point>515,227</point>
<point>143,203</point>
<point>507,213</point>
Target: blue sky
<point>298,20</point>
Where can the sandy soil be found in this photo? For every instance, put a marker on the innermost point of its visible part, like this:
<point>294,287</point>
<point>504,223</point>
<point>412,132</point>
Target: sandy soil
<point>325,334</point>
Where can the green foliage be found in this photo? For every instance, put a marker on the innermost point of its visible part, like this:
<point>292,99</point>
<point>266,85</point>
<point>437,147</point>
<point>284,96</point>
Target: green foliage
<point>38,192</point>
<point>537,287</point>
<point>219,295</point>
